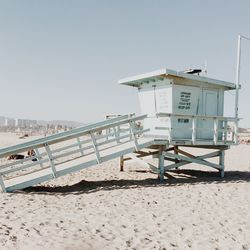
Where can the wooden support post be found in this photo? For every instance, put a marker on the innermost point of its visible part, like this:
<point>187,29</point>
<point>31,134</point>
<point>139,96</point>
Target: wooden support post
<point>47,148</point>
<point>161,163</point>
<point>2,184</point>
<point>222,163</point>
<point>121,163</point>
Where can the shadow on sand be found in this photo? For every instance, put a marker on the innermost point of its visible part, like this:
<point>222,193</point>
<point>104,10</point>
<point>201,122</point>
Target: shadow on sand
<point>174,178</point>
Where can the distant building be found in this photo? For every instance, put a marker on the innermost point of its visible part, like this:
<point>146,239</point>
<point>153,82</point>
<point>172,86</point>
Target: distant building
<point>9,122</point>
<point>2,121</point>
<point>25,123</point>
<point>19,123</point>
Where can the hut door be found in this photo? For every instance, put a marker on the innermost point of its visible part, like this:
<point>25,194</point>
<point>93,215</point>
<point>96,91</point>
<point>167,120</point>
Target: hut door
<point>147,101</point>
<point>210,108</point>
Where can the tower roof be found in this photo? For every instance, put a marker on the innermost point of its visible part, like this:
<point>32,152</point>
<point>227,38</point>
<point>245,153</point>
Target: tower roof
<point>138,80</point>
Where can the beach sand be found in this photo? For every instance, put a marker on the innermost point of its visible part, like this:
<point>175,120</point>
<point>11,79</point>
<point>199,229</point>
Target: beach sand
<point>103,208</point>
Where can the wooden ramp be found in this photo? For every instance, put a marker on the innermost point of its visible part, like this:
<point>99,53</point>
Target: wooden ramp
<point>71,151</point>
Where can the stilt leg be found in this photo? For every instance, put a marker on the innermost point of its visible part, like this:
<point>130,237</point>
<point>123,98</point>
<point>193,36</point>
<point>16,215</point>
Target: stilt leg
<point>222,163</point>
<point>161,165</point>
<point>2,186</point>
<point>121,163</point>
<point>176,152</point>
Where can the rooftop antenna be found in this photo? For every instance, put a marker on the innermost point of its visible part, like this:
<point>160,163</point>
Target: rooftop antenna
<point>240,37</point>
<point>205,68</point>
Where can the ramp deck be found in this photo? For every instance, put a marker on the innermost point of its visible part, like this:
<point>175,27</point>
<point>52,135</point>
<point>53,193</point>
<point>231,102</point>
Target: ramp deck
<point>71,151</point>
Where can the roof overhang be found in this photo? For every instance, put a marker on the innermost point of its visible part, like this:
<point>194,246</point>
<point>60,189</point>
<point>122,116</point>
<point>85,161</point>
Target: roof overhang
<point>138,80</point>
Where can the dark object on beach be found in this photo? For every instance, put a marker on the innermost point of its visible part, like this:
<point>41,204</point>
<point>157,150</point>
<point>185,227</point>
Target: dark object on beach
<point>16,157</point>
<point>32,153</point>
<point>24,136</point>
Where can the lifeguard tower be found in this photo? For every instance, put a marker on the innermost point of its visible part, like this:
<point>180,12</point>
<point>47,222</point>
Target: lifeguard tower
<point>185,110</point>
<point>178,110</point>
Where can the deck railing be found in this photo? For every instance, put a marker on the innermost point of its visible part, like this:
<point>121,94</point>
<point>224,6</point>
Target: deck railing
<point>223,129</point>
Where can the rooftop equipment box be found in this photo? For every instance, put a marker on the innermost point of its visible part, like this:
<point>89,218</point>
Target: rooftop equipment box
<point>177,93</point>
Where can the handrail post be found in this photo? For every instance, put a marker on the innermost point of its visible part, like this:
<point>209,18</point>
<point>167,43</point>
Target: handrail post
<point>194,122</point>
<point>225,130</point>
<point>235,137</point>
<point>107,132</point>
<point>132,131</point>
<point>49,153</point>
<point>118,132</point>
<point>170,128</point>
<point>80,146</point>
<point>116,135</point>
<point>215,131</point>
<point>95,146</point>
<point>38,156</point>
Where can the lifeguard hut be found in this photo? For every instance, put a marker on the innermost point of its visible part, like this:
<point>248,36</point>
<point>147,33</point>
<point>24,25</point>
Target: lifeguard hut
<point>179,110</point>
<point>185,110</point>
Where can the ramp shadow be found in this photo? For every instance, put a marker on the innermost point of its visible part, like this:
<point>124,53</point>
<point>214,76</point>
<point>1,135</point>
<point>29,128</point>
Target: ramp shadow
<point>178,177</point>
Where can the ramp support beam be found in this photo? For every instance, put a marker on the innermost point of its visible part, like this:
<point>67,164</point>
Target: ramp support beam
<point>161,156</point>
<point>179,158</point>
<point>187,158</point>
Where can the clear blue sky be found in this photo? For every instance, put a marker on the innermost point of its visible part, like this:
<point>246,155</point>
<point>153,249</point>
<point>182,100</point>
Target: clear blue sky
<point>62,59</point>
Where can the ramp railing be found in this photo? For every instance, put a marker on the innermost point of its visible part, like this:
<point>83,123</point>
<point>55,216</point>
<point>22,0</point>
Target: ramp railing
<point>223,129</point>
<point>69,151</point>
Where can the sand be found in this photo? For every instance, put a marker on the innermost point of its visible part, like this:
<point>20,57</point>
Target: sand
<point>103,208</point>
